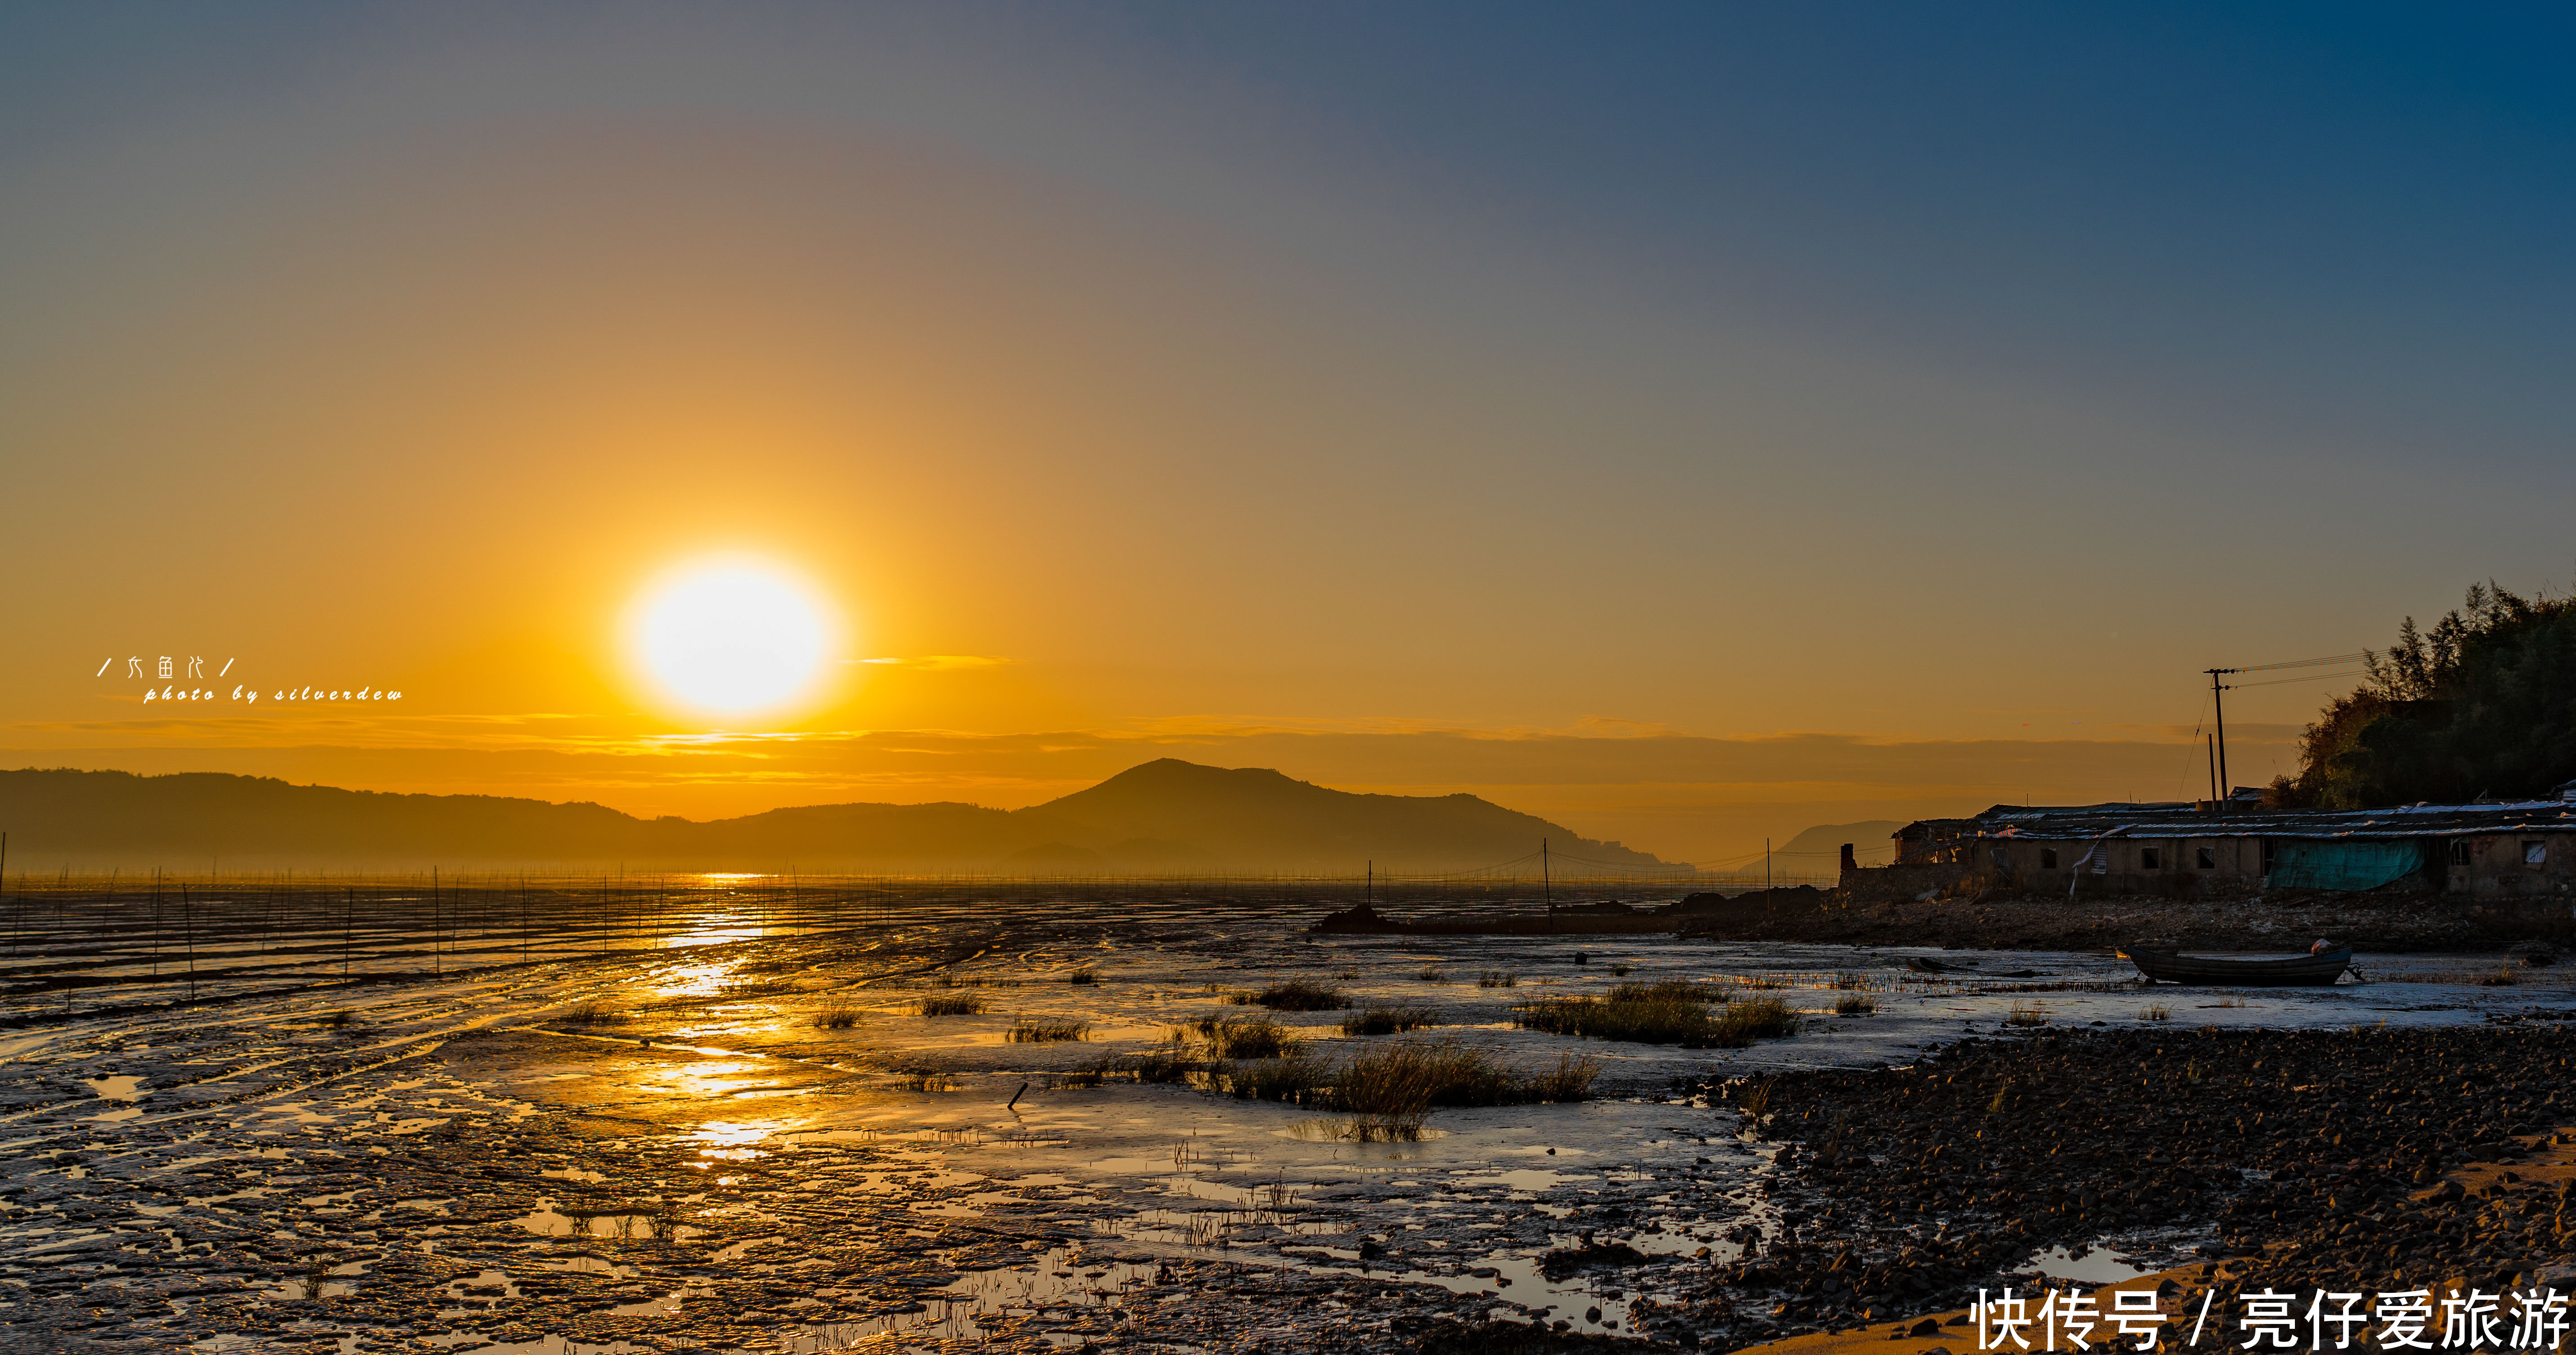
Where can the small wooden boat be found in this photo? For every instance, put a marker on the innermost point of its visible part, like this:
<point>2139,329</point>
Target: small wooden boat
<point>2286,971</point>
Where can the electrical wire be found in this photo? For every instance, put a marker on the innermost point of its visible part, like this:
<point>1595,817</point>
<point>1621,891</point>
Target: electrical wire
<point>2301,663</point>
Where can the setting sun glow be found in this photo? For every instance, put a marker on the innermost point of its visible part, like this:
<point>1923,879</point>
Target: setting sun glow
<point>731,637</point>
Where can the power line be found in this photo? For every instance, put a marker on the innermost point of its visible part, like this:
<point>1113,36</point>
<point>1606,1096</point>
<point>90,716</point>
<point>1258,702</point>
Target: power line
<point>2355,657</point>
<point>2312,677</point>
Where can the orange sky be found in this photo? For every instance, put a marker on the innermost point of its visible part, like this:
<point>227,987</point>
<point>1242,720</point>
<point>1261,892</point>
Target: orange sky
<point>397,375</point>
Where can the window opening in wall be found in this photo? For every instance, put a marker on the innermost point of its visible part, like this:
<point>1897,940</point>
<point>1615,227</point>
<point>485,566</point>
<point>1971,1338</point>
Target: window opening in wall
<point>2205,857</point>
<point>2048,858</point>
<point>2535,851</point>
<point>2459,851</point>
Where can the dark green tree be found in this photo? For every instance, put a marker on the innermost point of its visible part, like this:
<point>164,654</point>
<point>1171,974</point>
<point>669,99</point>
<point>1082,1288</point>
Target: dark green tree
<point>2482,704</point>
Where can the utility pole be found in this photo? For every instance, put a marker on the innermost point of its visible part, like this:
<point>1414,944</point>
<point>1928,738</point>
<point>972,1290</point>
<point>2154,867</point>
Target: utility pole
<point>2212,741</point>
<point>1546,883</point>
<point>2217,694</point>
<point>1766,865</point>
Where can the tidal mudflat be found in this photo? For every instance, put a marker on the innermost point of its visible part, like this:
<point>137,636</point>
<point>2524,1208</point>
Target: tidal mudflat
<point>952,1128</point>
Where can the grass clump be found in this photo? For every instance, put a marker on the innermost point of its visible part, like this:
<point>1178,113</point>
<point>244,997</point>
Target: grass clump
<point>958,1004</point>
<point>1855,1004</point>
<point>2025,1014</point>
<point>1497,978</point>
<point>1431,974</point>
<point>592,1013</point>
<point>1389,1019</point>
<point>1295,1078</point>
<point>1666,990</point>
<point>1570,1080</point>
<point>1047,1030</point>
<point>1753,1101</point>
<point>340,1020</point>
<point>836,1017</point>
<point>1299,995</point>
<point>1672,1012</point>
<point>1389,1090</point>
<point>1745,1020</point>
<point>1256,1037</point>
<point>1169,1061</point>
<point>1621,971</point>
<point>2158,1012</point>
<point>925,1079</point>
<point>1086,974</point>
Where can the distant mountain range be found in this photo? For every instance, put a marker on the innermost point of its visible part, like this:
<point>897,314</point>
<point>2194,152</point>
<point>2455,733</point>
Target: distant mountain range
<point>1166,816</point>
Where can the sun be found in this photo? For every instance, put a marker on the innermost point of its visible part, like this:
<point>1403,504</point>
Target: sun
<point>731,636</point>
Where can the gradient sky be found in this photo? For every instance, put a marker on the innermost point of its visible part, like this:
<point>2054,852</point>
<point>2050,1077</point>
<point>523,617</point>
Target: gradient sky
<point>1690,422</point>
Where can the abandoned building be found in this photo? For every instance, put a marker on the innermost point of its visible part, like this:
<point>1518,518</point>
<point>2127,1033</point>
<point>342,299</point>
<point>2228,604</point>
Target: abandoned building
<point>2524,849</point>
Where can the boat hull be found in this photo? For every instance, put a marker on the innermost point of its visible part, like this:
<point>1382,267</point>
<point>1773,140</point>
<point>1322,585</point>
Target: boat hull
<point>2302,971</point>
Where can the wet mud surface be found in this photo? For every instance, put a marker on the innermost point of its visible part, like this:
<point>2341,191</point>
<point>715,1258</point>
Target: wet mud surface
<point>674,1149</point>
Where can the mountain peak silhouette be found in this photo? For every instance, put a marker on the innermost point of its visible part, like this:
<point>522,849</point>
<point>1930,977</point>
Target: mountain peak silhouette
<point>1167,815</point>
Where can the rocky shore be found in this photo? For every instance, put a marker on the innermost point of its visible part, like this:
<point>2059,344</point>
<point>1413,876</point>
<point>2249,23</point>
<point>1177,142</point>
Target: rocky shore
<point>2297,1158</point>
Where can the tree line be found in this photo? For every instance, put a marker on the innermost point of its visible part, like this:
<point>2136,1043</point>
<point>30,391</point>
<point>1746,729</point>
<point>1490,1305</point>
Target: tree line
<point>2482,704</point>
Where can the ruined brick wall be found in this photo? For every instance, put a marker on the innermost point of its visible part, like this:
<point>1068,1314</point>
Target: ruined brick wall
<point>1902,883</point>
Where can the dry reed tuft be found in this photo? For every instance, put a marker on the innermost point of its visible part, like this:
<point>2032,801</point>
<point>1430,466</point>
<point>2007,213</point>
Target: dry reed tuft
<point>1293,1078</point>
<point>1086,974</point>
<point>1299,995</point>
<point>1047,1030</point>
<point>957,1005</point>
<point>1672,1012</point>
<point>1570,1080</point>
<point>1855,1004</point>
<point>1388,1019</point>
<point>2026,1014</point>
<point>1256,1037</point>
<point>837,1017</point>
<point>1389,1090</point>
<point>2158,1012</point>
<point>924,1079</point>
<point>1753,1101</point>
<point>1497,978</point>
<point>1431,974</point>
<point>1166,1062</point>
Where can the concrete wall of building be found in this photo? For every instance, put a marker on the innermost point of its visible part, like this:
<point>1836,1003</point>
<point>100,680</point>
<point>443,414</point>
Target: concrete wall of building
<point>2498,865</point>
<point>2179,866</point>
<point>2491,866</point>
<point>1904,882</point>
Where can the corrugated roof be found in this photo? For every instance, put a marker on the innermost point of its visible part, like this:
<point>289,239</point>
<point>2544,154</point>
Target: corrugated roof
<point>2081,822</point>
